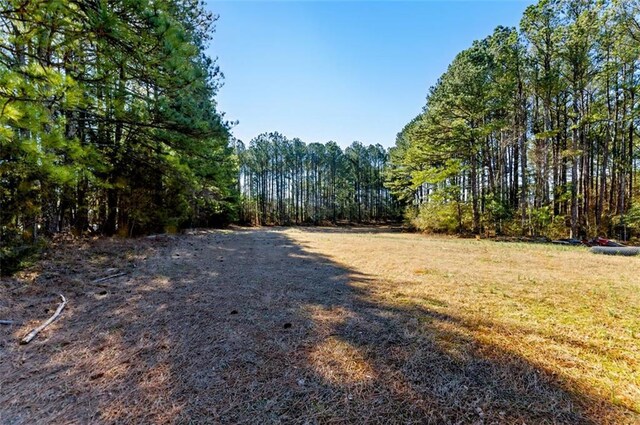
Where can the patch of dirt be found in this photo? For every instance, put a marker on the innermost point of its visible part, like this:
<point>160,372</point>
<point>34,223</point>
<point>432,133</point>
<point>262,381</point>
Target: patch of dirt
<point>205,327</point>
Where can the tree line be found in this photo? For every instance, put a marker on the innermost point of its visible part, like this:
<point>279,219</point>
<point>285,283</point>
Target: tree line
<point>531,131</point>
<point>108,121</point>
<point>109,125</point>
<point>286,181</point>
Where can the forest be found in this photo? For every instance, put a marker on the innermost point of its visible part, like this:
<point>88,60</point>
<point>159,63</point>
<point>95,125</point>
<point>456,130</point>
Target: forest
<point>531,130</point>
<point>286,181</point>
<point>109,125</point>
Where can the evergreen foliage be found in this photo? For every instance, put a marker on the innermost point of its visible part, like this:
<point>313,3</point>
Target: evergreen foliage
<point>532,131</point>
<point>107,120</point>
<point>286,181</point>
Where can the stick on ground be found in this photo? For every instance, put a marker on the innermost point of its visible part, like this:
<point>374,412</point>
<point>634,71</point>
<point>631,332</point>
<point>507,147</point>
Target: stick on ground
<point>27,339</point>
<point>113,276</point>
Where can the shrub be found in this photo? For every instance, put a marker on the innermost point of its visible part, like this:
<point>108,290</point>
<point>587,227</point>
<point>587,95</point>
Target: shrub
<point>443,217</point>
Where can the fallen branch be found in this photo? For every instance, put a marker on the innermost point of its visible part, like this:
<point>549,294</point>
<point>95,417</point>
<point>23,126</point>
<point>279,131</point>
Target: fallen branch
<point>6,322</point>
<point>27,339</point>
<point>113,276</point>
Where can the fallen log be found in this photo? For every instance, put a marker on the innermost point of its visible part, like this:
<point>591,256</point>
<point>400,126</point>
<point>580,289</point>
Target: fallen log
<point>27,339</point>
<point>569,241</point>
<point>627,251</point>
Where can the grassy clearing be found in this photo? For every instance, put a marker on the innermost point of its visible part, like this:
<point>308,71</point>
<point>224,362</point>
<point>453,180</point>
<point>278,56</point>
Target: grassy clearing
<point>568,313</point>
<point>315,326</point>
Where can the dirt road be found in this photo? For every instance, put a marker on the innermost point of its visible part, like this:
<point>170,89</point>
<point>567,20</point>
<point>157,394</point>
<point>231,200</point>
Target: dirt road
<point>244,326</point>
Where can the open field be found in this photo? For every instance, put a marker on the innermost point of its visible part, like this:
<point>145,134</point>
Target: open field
<point>321,325</point>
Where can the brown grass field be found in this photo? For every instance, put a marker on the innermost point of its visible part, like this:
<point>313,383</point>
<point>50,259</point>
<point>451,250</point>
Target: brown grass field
<point>322,325</point>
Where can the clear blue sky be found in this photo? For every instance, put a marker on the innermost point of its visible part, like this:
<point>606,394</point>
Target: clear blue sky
<point>341,71</point>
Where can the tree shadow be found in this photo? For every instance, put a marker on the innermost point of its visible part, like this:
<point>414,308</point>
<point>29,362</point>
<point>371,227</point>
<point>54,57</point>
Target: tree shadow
<point>249,327</point>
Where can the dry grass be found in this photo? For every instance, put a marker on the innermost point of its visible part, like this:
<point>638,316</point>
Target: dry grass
<point>571,315</point>
<point>323,326</point>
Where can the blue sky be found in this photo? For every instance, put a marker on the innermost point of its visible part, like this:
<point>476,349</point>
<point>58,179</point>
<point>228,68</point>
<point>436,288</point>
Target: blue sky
<point>341,71</point>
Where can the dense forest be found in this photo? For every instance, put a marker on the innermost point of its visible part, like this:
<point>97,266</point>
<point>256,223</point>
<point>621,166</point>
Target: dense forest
<point>108,121</point>
<point>532,131</point>
<point>285,181</point>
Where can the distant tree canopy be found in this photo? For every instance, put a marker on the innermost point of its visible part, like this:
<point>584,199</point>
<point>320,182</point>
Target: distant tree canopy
<point>107,119</point>
<point>532,131</point>
<point>285,181</point>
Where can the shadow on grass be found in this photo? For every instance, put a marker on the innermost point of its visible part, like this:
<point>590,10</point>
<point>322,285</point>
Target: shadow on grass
<point>248,327</point>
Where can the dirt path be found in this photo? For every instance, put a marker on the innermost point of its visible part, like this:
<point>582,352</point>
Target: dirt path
<point>208,327</point>
<point>240,326</point>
